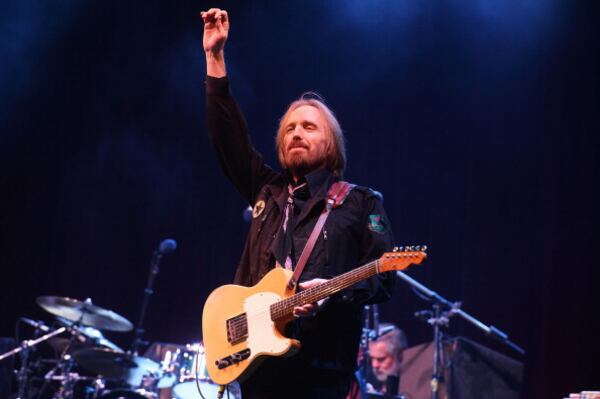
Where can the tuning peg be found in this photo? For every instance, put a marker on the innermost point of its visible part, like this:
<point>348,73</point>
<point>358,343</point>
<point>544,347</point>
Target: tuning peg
<point>410,248</point>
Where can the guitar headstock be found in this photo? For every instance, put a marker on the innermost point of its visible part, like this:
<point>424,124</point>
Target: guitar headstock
<point>402,258</point>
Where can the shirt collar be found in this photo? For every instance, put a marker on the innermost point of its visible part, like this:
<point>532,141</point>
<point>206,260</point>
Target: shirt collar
<point>315,179</point>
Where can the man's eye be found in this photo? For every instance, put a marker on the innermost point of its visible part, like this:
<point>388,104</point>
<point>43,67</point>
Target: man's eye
<point>309,126</point>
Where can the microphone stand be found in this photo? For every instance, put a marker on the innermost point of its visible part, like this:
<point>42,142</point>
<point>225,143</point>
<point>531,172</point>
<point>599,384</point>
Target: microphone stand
<point>438,318</point>
<point>148,291</point>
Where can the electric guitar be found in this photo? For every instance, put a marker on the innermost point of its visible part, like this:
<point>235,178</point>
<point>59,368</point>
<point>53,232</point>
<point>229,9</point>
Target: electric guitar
<point>241,325</point>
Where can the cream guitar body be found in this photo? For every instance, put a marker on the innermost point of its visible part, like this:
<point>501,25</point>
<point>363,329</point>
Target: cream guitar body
<point>264,337</point>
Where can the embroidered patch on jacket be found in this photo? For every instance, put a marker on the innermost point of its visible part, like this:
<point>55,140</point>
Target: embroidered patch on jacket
<point>259,207</point>
<point>377,223</point>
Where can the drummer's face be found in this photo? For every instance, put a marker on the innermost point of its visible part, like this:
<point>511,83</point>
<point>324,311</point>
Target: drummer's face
<point>383,362</point>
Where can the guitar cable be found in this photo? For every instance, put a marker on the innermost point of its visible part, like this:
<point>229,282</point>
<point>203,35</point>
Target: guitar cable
<point>197,372</point>
<point>222,388</point>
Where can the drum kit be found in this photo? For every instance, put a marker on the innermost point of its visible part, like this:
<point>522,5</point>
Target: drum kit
<point>86,365</point>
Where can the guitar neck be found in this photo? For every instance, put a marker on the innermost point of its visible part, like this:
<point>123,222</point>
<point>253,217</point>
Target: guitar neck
<point>285,307</point>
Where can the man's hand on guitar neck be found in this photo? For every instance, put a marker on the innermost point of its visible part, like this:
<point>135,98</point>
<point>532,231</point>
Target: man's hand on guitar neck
<point>310,309</point>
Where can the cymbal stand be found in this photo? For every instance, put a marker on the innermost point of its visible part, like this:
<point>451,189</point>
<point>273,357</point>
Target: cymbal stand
<point>370,332</point>
<point>65,363</point>
<point>361,373</point>
<point>438,318</point>
<point>26,345</point>
<point>23,374</point>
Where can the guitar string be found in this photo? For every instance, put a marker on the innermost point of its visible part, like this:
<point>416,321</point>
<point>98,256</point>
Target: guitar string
<point>285,306</point>
<point>282,307</point>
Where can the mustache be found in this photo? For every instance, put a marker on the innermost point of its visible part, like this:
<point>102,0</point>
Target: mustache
<point>297,144</point>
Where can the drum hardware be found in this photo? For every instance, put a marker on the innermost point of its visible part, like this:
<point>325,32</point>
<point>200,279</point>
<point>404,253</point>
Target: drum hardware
<point>192,375</point>
<point>173,372</point>
<point>372,330</point>
<point>127,394</point>
<point>81,320</point>
<point>438,317</point>
<point>136,371</point>
<point>62,371</point>
<point>24,350</point>
<point>183,370</point>
<point>84,313</point>
<point>90,334</point>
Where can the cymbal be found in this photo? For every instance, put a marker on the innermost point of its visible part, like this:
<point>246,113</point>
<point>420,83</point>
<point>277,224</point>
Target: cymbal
<point>384,328</point>
<point>90,335</point>
<point>84,313</point>
<point>112,364</point>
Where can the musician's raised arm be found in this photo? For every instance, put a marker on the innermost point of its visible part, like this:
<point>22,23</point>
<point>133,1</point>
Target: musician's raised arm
<point>216,31</point>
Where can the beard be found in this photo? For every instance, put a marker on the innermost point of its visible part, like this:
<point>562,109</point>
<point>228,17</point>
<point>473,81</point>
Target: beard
<point>380,375</point>
<point>301,163</point>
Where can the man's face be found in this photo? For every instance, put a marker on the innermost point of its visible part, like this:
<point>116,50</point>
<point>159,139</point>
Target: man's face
<point>383,362</point>
<point>304,145</point>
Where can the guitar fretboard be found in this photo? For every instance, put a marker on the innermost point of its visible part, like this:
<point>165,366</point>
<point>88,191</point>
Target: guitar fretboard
<point>286,306</point>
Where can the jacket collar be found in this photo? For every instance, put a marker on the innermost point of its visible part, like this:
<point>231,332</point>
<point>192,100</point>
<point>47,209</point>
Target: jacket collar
<point>319,186</point>
<point>318,181</point>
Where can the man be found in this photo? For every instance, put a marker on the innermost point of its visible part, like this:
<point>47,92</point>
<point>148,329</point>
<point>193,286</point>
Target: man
<point>385,353</point>
<point>286,207</point>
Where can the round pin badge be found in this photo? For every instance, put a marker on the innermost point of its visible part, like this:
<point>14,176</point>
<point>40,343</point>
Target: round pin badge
<point>259,207</point>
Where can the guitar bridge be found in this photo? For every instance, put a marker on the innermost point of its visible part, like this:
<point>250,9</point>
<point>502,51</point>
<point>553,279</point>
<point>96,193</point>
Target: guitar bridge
<point>237,329</point>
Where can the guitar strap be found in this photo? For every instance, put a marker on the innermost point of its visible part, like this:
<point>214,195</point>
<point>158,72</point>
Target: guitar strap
<point>335,197</point>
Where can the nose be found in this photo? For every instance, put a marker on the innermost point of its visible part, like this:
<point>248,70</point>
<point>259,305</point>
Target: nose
<point>298,131</point>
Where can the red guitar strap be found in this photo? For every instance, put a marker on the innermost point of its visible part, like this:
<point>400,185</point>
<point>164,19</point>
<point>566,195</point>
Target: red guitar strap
<point>335,197</point>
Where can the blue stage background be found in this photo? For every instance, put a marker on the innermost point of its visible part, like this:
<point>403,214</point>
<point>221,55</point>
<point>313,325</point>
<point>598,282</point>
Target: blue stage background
<point>478,121</point>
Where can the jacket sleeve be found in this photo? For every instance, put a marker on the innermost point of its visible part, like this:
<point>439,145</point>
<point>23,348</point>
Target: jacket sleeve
<point>241,163</point>
<point>376,238</point>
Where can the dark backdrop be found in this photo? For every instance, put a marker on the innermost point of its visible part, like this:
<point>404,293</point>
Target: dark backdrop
<point>477,120</point>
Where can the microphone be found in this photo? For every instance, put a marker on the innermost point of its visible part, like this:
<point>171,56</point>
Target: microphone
<point>377,194</point>
<point>37,324</point>
<point>167,246</point>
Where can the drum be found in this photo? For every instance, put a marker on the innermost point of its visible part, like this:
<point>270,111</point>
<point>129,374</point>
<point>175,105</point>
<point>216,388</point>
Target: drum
<point>127,394</point>
<point>188,366</point>
<point>189,390</point>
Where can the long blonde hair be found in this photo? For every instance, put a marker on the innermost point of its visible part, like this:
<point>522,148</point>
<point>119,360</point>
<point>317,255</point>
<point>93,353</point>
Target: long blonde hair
<point>335,158</point>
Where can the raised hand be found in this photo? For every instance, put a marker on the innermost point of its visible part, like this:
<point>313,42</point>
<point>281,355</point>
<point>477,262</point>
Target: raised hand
<point>216,30</point>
